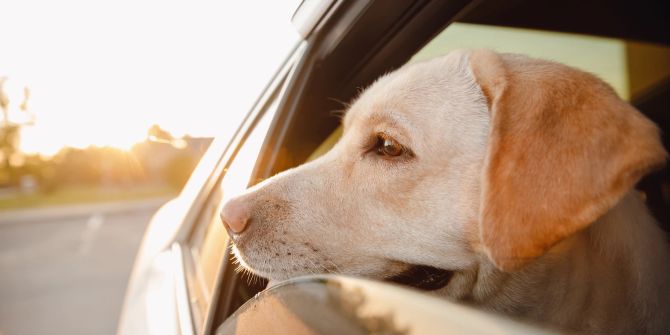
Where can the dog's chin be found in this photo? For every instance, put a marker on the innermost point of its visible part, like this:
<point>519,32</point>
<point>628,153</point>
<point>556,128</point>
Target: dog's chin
<point>417,276</point>
<point>265,268</point>
<point>245,265</point>
<point>278,269</point>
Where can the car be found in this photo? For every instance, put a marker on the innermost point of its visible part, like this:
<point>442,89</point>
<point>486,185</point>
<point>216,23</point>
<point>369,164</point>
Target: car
<point>185,280</point>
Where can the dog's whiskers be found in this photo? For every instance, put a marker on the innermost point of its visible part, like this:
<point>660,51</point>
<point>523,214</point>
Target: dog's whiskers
<point>314,266</point>
<point>337,268</point>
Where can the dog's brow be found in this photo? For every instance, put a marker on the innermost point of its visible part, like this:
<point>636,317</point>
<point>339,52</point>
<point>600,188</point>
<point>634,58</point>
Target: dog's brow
<point>388,119</point>
<point>394,124</point>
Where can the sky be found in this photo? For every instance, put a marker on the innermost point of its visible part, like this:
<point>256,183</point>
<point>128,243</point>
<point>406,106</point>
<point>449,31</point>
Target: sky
<point>102,72</point>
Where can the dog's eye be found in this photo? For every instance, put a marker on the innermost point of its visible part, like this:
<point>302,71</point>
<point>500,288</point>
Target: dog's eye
<point>388,147</point>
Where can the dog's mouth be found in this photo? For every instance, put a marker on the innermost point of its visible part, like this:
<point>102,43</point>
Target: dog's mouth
<point>423,277</point>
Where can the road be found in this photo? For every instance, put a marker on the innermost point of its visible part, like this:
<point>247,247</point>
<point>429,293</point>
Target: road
<point>66,274</point>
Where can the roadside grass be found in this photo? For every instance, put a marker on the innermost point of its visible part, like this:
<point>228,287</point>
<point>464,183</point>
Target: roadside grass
<point>82,194</point>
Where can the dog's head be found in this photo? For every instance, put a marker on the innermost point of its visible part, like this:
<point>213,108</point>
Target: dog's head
<point>471,156</point>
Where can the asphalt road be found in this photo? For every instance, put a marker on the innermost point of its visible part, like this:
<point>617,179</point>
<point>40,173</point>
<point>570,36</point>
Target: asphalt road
<point>66,274</point>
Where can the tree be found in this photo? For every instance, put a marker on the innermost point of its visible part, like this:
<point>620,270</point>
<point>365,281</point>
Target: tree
<point>10,133</point>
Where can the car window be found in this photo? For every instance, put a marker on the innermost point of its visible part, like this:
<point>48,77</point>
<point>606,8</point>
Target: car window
<point>208,242</point>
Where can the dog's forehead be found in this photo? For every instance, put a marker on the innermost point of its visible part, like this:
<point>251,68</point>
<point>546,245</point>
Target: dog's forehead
<point>409,94</point>
<point>391,100</point>
<point>387,109</point>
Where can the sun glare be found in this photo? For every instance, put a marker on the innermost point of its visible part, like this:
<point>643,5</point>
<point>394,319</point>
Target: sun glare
<point>101,73</point>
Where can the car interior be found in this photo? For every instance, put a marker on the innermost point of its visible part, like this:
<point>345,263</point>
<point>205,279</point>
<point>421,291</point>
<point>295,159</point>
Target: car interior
<point>625,43</point>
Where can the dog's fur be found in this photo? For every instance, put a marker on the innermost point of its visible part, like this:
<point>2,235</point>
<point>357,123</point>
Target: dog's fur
<point>518,177</point>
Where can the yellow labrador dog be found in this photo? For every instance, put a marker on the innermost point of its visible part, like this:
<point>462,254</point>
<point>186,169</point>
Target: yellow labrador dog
<point>513,175</point>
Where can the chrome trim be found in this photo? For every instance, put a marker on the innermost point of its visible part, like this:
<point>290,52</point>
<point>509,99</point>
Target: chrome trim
<point>308,14</point>
<point>181,293</point>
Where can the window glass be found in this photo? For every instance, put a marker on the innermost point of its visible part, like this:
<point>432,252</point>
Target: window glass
<point>631,68</point>
<point>209,241</point>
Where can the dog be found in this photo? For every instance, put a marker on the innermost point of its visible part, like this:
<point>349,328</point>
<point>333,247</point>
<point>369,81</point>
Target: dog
<point>515,176</point>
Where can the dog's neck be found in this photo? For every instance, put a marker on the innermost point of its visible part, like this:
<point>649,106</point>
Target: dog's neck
<point>593,282</point>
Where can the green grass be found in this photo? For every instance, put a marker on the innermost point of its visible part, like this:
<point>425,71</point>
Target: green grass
<point>83,194</point>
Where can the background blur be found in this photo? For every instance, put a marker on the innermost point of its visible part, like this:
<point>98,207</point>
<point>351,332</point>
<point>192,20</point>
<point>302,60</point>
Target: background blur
<point>105,109</point>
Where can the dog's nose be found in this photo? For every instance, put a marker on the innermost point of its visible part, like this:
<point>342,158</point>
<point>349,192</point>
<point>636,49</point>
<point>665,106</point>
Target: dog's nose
<point>235,215</point>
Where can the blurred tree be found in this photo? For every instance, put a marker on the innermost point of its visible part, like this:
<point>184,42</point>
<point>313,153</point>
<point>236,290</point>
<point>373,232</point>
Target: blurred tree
<point>9,136</point>
<point>9,143</point>
<point>39,168</point>
<point>76,166</point>
<point>96,166</point>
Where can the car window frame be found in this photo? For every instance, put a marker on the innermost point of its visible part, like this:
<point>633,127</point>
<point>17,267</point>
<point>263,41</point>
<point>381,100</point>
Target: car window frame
<point>274,89</point>
<point>204,222</point>
<point>206,249</point>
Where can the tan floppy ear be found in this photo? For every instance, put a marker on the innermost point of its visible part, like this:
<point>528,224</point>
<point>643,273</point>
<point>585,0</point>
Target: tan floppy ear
<point>563,149</point>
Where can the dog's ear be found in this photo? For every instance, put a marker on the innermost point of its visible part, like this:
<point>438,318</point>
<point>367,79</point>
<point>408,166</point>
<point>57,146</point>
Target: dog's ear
<point>563,149</point>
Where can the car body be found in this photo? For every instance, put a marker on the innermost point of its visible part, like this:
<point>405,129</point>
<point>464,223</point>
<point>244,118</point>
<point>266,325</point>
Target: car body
<point>184,281</point>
